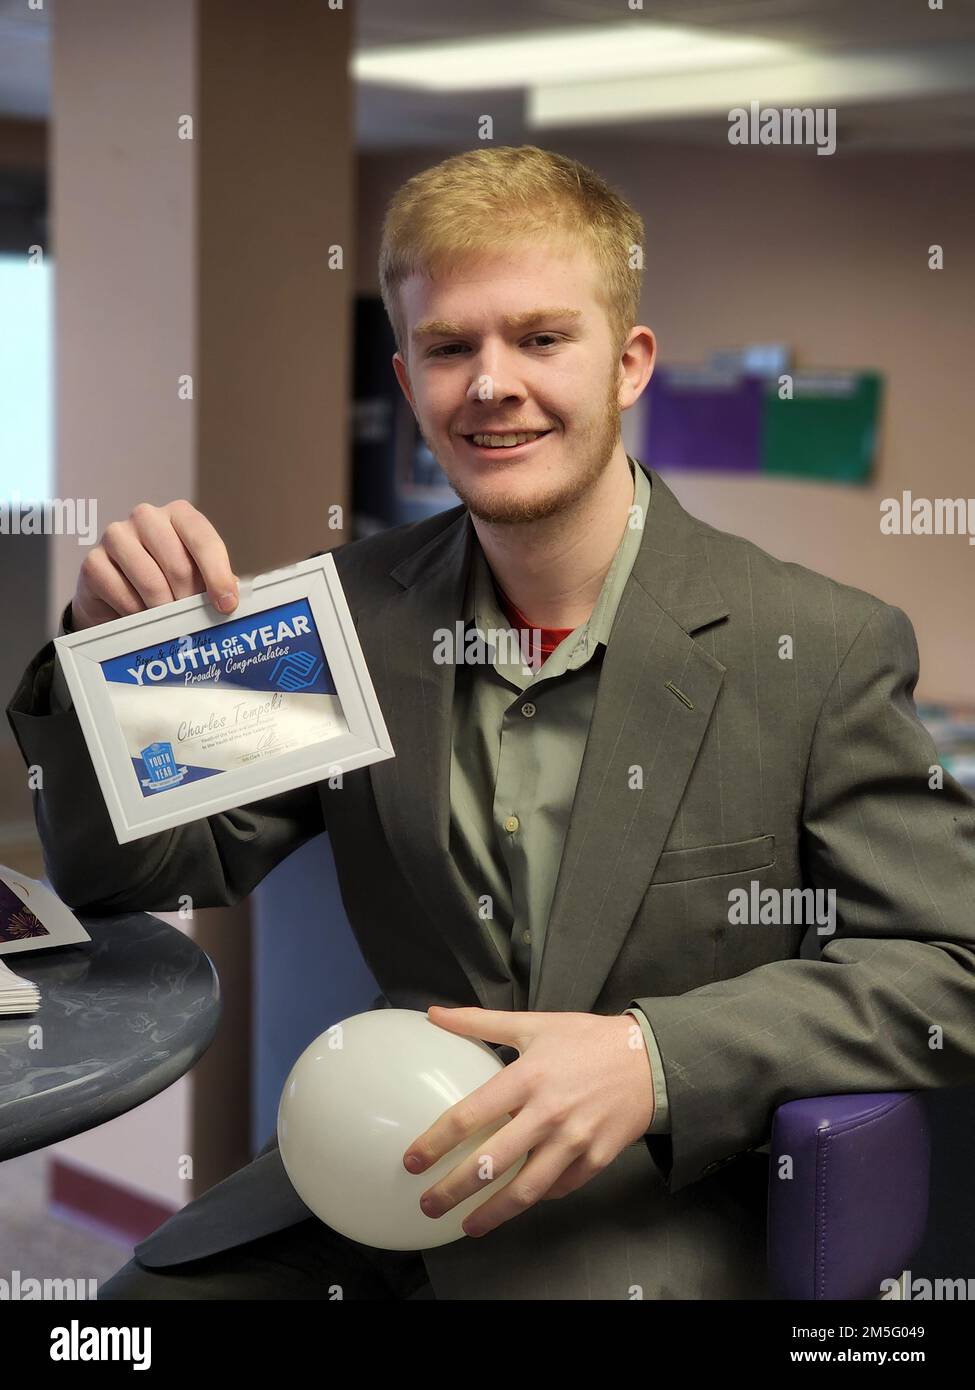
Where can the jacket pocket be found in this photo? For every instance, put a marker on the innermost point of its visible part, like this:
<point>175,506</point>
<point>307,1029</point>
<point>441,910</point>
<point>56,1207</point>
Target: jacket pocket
<point>711,861</point>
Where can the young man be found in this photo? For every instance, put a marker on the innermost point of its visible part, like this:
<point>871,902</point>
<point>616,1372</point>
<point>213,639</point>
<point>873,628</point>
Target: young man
<point>554,858</point>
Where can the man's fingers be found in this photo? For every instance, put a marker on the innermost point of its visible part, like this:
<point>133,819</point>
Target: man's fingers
<point>103,592</point>
<point>159,554</point>
<point>578,1173</point>
<point>136,566</point>
<point>490,1102</point>
<point>156,532</point>
<point>209,553</point>
<point>492,1158</point>
<point>100,585</point>
<point>529,1185</point>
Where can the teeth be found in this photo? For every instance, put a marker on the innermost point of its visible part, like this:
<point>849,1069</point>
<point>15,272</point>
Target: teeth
<point>505,441</point>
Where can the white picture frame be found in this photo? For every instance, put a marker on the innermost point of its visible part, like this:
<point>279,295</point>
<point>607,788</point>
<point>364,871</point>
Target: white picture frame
<point>192,660</point>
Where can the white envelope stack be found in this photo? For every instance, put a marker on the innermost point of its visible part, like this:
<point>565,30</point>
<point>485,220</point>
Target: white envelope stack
<point>17,995</point>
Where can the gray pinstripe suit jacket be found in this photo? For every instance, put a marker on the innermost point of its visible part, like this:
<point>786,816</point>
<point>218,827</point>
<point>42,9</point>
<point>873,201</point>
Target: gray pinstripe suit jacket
<point>809,771</point>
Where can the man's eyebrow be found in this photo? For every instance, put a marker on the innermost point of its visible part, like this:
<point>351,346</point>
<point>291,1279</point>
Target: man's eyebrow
<point>430,328</point>
<point>531,316</point>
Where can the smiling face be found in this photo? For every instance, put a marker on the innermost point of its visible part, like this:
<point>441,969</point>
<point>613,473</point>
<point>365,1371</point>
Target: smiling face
<point>507,344</point>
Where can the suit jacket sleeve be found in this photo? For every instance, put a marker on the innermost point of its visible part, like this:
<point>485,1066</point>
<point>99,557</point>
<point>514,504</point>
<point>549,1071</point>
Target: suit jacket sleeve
<point>60,694</point>
<point>885,1003</point>
<point>215,861</point>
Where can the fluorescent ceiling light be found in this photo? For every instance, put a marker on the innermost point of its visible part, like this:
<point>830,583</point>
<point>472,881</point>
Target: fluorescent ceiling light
<point>561,55</point>
<point>805,79</point>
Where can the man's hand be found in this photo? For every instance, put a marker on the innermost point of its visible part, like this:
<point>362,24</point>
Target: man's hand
<point>159,554</point>
<point>579,1092</point>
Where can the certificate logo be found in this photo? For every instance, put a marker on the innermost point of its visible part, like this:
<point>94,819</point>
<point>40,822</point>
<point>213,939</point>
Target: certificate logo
<point>296,671</point>
<point>161,766</point>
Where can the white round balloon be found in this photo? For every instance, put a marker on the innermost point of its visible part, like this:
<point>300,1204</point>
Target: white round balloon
<point>353,1103</point>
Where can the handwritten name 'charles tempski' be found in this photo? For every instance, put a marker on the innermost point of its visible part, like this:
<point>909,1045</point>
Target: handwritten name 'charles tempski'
<point>243,713</point>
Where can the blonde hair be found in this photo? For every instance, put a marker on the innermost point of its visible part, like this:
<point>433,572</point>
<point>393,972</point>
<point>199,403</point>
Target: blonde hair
<point>487,200</point>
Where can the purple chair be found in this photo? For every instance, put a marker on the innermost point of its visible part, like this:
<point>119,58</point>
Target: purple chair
<point>855,1208</point>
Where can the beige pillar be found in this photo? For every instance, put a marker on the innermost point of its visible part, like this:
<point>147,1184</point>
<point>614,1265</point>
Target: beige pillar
<point>202,158</point>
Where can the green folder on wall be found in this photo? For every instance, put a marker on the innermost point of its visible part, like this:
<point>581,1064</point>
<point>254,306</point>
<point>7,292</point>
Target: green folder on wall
<point>828,430</point>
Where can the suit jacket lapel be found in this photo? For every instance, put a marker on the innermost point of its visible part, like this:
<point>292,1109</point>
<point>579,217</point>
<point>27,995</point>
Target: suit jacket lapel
<point>618,828</point>
<point>412,789</point>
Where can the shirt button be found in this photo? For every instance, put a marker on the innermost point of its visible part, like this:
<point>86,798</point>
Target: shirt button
<point>511,823</point>
<point>528,710</point>
<point>526,937</point>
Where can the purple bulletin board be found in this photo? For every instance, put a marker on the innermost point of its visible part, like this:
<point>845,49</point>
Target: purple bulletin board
<point>700,417</point>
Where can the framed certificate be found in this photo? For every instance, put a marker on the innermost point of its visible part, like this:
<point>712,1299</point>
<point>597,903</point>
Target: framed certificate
<point>187,711</point>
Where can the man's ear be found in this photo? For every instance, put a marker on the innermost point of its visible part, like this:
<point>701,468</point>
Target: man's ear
<point>403,377</point>
<point>637,362</point>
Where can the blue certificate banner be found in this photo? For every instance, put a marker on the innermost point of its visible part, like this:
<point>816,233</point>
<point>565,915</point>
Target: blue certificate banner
<point>224,697</point>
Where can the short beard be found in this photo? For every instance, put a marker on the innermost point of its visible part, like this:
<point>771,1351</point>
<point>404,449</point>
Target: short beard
<point>601,441</point>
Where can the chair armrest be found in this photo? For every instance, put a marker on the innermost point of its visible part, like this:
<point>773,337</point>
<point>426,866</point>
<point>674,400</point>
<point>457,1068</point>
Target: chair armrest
<point>855,1207</point>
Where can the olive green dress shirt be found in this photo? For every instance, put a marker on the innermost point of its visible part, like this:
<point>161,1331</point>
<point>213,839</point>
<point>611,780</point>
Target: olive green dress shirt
<point>519,735</point>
